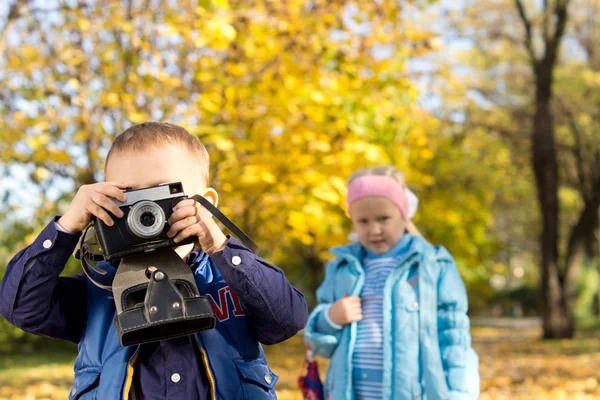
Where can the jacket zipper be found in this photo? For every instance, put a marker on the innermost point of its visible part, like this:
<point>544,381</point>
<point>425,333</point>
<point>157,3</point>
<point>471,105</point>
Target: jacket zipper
<point>209,371</point>
<point>129,376</point>
<point>355,292</point>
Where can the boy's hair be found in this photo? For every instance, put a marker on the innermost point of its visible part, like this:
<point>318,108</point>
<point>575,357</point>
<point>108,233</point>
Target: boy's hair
<point>151,134</point>
<point>392,172</point>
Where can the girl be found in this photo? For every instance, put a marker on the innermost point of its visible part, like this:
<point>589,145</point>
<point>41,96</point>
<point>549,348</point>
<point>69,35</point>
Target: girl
<point>392,312</point>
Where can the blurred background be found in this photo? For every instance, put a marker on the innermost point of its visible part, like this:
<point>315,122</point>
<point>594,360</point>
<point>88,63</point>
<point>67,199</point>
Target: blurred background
<point>491,109</point>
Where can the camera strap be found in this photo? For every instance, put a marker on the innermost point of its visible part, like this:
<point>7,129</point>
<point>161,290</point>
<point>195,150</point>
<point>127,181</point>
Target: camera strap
<point>227,222</point>
<point>89,258</point>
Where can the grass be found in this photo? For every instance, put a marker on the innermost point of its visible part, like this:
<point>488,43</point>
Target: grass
<point>47,374</point>
<point>514,364</point>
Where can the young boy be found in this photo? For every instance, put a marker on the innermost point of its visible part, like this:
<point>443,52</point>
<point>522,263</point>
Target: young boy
<point>253,300</point>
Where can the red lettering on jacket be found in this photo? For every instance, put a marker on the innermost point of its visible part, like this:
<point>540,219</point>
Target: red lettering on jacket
<point>221,305</point>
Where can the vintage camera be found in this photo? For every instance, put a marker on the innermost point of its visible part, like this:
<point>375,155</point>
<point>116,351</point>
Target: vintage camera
<point>144,226</point>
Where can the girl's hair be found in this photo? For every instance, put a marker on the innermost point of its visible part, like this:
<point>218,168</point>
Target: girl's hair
<point>392,172</point>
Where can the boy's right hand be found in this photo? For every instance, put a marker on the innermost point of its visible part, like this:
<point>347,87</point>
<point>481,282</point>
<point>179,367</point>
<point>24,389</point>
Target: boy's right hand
<point>346,310</point>
<point>93,200</point>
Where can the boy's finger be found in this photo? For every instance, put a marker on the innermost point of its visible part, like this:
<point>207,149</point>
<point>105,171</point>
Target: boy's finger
<point>120,185</point>
<point>107,204</point>
<point>181,213</point>
<point>181,225</point>
<point>112,191</point>
<point>184,203</point>
<point>191,230</point>
<point>99,212</point>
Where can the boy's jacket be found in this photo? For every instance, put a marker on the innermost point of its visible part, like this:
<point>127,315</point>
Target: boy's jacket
<point>231,353</point>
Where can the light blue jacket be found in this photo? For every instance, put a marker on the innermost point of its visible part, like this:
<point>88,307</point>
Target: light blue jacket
<point>430,328</point>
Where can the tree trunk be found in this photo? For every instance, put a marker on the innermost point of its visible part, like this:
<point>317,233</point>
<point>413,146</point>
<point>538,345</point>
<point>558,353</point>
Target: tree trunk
<point>557,314</point>
<point>557,318</point>
<point>316,272</point>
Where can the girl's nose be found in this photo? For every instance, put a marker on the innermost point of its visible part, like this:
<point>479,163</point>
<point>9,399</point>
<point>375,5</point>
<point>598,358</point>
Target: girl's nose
<point>375,229</point>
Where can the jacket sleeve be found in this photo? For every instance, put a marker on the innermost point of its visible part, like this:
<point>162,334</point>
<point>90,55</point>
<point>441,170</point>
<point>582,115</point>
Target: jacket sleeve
<point>459,360</point>
<point>321,334</point>
<point>32,295</point>
<point>276,309</point>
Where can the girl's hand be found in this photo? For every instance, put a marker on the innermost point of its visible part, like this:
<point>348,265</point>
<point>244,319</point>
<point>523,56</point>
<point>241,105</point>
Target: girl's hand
<point>346,310</point>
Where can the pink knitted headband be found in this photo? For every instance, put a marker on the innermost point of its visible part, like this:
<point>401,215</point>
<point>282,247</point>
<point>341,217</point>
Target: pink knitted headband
<point>379,186</point>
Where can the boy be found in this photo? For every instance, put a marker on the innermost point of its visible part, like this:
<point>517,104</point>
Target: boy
<point>253,300</point>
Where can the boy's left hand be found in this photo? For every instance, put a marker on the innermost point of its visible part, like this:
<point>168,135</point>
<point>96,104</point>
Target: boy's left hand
<point>189,218</point>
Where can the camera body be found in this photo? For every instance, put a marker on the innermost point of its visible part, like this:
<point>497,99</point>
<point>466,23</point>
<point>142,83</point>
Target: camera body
<point>144,225</point>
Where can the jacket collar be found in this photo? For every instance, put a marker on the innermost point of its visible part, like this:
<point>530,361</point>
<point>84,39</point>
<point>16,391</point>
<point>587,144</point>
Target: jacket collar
<point>355,252</point>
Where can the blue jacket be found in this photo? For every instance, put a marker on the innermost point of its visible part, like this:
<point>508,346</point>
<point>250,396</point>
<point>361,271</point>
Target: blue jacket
<point>253,302</point>
<point>427,345</point>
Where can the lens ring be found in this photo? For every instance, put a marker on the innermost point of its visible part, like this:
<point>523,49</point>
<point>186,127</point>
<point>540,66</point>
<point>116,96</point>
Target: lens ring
<point>134,219</point>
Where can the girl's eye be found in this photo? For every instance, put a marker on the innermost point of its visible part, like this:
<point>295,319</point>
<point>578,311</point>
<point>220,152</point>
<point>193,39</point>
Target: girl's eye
<point>383,219</point>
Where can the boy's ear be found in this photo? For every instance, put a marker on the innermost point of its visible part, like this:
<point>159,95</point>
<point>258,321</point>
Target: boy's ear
<point>211,195</point>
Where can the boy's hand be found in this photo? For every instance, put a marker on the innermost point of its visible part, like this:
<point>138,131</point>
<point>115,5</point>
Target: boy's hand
<point>189,218</point>
<point>93,200</point>
<point>346,310</point>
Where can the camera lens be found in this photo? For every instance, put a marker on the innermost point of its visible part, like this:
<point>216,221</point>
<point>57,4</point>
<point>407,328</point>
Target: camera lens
<point>147,219</point>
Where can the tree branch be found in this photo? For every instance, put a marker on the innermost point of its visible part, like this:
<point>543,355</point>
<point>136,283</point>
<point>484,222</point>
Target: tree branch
<point>560,10</point>
<point>545,21</point>
<point>528,41</point>
<point>576,149</point>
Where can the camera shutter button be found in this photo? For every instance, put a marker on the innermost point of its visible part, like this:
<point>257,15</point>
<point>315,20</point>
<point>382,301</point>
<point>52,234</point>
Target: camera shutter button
<point>47,243</point>
<point>236,260</point>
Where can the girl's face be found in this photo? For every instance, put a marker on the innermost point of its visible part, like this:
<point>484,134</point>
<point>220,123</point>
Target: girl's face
<point>378,222</point>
